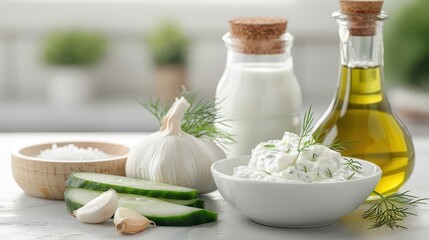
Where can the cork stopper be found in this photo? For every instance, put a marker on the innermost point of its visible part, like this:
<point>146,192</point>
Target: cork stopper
<point>258,35</point>
<point>362,15</point>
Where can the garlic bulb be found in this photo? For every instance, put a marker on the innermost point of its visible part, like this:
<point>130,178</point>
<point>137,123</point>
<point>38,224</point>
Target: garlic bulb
<point>129,221</point>
<point>173,156</point>
<point>99,209</point>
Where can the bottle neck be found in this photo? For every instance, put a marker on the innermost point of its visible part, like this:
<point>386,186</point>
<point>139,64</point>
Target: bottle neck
<point>361,51</point>
<point>237,57</point>
<point>361,75</point>
<point>276,50</point>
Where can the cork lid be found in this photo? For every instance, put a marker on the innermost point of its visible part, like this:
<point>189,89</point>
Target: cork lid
<point>258,27</point>
<point>258,35</point>
<point>361,6</point>
<point>362,15</point>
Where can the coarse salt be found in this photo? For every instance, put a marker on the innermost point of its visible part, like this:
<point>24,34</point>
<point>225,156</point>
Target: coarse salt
<point>72,152</point>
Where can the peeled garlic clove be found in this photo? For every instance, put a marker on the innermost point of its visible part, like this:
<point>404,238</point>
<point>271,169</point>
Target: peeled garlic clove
<point>99,209</point>
<point>129,221</point>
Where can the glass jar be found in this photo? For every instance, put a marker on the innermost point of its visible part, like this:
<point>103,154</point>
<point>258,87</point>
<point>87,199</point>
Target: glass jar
<point>360,111</point>
<point>258,93</point>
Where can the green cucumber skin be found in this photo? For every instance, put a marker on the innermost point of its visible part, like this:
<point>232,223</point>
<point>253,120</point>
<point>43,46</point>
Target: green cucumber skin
<point>200,216</point>
<point>198,204</point>
<point>71,205</point>
<point>77,182</point>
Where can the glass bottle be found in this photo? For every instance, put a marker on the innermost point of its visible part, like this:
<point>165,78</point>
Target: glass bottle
<point>258,92</point>
<point>360,110</point>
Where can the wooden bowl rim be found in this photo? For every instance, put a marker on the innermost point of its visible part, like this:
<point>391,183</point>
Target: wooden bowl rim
<point>17,153</point>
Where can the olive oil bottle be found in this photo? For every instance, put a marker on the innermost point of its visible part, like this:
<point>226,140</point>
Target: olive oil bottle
<point>360,111</point>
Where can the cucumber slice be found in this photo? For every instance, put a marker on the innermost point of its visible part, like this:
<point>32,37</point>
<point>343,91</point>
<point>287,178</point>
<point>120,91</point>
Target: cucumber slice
<point>161,212</point>
<point>91,194</point>
<point>196,202</point>
<point>104,182</point>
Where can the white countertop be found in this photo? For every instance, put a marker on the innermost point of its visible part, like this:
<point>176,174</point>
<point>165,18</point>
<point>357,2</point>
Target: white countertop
<point>25,217</point>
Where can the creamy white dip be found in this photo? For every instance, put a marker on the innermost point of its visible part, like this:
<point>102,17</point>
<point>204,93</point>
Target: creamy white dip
<point>284,161</point>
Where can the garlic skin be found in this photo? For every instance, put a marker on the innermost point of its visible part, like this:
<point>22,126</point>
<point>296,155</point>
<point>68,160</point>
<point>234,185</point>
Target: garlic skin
<point>130,222</point>
<point>173,156</point>
<point>99,209</point>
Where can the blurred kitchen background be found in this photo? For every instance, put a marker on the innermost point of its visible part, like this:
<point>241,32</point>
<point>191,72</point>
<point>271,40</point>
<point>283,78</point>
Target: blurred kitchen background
<point>118,50</point>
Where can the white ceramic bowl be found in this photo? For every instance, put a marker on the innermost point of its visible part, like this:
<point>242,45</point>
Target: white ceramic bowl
<point>293,205</point>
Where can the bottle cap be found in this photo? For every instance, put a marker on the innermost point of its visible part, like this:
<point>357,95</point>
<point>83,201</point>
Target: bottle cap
<point>258,35</point>
<point>362,15</point>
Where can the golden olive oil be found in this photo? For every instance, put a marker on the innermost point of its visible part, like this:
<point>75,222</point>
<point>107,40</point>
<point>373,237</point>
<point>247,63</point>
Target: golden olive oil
<point>361,113</point>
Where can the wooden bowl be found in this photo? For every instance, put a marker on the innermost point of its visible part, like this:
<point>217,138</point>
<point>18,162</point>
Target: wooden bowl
<point>46,178</point>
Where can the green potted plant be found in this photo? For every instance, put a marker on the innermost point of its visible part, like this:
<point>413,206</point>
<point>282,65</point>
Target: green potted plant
<point>70,55</point>
<point>407,58</point>
<point>169,47</point>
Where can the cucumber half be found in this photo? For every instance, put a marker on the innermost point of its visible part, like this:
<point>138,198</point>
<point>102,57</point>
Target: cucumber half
<point>161,212</point>
<point>104,182</point>
<point>91,194</point>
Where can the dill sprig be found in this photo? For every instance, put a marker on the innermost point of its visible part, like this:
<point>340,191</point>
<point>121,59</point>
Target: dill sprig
<point>353,165</point>
<point>200,120</point>
<point>392,209</point>
<point>340,145</point>
<point>269,146</point>
<point>307,127</point>
<point>316,136</point>
<point>329,172</point>
<point>157,108</point>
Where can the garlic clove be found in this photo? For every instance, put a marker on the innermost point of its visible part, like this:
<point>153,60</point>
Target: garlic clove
<point>129,221</point>
<point>99,209</point>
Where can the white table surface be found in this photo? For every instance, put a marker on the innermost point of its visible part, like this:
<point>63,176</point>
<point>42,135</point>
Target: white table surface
<point>25,217</point>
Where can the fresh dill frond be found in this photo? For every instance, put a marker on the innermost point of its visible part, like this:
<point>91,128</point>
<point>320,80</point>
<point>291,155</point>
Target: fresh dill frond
<point>307,126</point>
<point>353,165</point>
<point>351,176</point>
<point>318,135</point>
<point>307,144</point>
<point>157,108</point>
<point>391,210</point>
<point>270,146</point>
<point>340,146</point>
<point>337,145</point>
<point>330,173</point>
<point>267,172</point>
<point>200,120</point>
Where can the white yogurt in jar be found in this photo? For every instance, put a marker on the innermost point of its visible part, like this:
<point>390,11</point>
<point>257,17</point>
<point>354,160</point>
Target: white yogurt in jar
<point>261,100</point>
<point>289,160</point>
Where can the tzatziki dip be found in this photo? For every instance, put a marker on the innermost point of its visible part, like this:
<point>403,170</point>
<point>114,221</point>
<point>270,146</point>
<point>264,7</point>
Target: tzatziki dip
<point>293,159</point>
